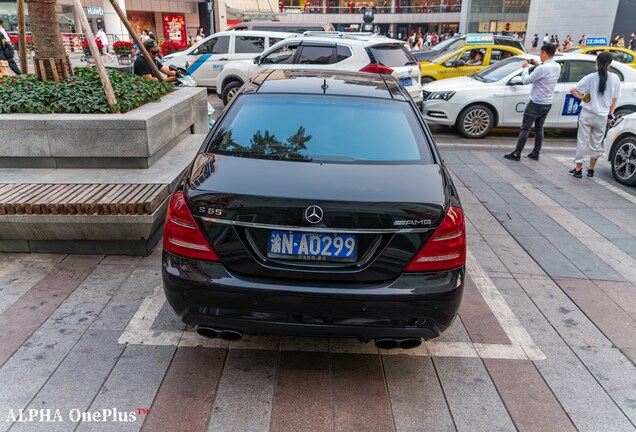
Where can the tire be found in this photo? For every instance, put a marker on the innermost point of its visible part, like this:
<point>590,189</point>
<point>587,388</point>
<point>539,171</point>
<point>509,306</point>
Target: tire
<point>475,121</point>
<point>426,80</point>
<point>229,91</point>
<point>623,161</point>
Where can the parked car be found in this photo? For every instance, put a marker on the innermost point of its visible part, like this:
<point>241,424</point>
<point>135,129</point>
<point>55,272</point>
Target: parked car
<point>457,42</point>
<point>335,51</point>
<point>283,225</point>
<point>496,96</point>
<point>622,55</point>
<point>620,149</point>
<point>206,59</point>
<point>456,63</point>
<point>280,26</point>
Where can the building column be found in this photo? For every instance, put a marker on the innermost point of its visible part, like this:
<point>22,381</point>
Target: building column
<point>112,22</point>
<point>464,17</point>
<point>393,6</point>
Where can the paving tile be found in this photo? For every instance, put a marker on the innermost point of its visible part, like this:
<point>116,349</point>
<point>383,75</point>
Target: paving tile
<point>417,399</point>
<point>516,260</point>
<point>168,320</point>
<point>471,395</point>
<point>121,259</point>
<point>630,354</point>
<point>486,256</point>
<point>358,384</point>
<point>587,404</point>
<point>623,294</point>
<point>615,373</point>
<point>613,321</point>
<point>551,260</point>
<point>302,401</point>
<point>16,278</point>
<point>478,319</point>
<point>133,383</point>
<point>245,393</point>
<point>127,300</point>
<point>514,223</point>
<point>529,400</point>
<point>571,324</point>
<point>24,316</point>
<point>77,380</point>
<point>583,258</point>
<point>24,374</point>
<point>188,388</point>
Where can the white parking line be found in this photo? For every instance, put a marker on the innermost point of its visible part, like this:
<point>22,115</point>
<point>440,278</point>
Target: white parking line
<point>522,347</point>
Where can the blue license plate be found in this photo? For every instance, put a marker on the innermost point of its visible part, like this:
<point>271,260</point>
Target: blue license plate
<point>312,246</point>
<point>406,82</point>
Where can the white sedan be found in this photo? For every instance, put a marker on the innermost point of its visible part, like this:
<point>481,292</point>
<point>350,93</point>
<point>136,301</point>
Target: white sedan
<point>495,96</point>
<point>620,149</point>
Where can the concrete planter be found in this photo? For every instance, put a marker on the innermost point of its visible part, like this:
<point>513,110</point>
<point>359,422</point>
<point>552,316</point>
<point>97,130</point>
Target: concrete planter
<point>136,139</point>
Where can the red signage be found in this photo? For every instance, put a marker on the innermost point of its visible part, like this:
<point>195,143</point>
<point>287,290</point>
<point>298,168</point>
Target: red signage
<point>174,28</point>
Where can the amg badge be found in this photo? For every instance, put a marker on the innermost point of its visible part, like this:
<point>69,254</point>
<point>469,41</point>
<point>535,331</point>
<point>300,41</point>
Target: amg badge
<point>413,222</point>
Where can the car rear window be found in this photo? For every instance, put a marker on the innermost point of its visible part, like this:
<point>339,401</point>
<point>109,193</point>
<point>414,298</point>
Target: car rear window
<point>394,55</point>
<point>311,128</point>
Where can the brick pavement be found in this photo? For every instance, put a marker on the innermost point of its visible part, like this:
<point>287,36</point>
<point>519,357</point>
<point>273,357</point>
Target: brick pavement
<point>545,339</point>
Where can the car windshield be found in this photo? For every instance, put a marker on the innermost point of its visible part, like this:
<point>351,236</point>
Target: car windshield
<point>499,70</point>
<point>394,55</point>
<point>449,44</point>
<point>321,129</point>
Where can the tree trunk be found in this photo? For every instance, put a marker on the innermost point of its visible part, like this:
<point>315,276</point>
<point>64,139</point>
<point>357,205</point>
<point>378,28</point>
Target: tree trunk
<point>51,62</point>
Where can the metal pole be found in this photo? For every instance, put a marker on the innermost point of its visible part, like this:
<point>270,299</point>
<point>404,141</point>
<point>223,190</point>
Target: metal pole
<point>103,75</point>
<point>142,48</point>
<point>22,37</point>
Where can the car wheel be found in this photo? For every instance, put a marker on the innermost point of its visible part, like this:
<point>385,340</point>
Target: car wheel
<point>624,161</point>
<point>230,90</point>
<point>475,121</point>
<point>426,80</point>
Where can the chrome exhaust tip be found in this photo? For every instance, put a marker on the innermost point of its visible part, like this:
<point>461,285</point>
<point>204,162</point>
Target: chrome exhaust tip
<point>208,332</point>
<point>386,343</point>
<point>410,343</point>
<point>230,335</point>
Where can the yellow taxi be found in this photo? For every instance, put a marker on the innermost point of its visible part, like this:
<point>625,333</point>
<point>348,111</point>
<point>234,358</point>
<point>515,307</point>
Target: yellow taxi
<point>622,55</point>
<point>464,61</point>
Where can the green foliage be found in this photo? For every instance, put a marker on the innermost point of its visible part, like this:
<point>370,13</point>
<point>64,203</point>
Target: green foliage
<point>82,93</point>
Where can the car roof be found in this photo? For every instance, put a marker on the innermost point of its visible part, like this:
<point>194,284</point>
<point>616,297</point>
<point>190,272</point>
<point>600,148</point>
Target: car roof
<point>252,33</point>
<point>349,37</point>
<point>338,83</point>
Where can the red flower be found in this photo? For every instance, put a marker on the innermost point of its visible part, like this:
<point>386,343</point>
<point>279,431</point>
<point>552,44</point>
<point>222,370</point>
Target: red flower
<point>170,47</point>
<point>97,41</point>
<point>123,46</point>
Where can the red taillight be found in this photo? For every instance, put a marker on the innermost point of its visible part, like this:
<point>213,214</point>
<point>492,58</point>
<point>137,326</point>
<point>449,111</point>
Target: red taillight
<point>182,235</point>
<point>376,68</point>
<point>446,250</point>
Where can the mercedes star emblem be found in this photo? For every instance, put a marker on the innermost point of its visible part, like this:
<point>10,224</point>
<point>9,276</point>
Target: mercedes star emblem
<point>313,214</point>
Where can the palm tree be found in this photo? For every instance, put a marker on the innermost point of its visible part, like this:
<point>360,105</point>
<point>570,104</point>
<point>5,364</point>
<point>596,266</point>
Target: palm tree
<point>51,61</point>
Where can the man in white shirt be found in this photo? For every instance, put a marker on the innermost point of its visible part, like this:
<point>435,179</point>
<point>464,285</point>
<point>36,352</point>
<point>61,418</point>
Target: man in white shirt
<point>7,40</point>
<point>101,35</point>
<point>543,79</point>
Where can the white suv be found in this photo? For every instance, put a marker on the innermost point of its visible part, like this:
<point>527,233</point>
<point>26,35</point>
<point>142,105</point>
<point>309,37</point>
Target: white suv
<point>206,59</point>
<point>364,52</point>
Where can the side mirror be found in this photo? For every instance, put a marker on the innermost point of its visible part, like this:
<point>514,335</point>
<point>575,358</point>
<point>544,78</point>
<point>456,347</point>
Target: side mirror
<point>257,60</point>
<point>516,81</point>
<point>459,63</point>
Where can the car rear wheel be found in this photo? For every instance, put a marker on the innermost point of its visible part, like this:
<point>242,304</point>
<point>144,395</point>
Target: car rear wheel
<point>475,121</point>
<point>426,80</point>
<point>624,161</point>
<point>230,90</point>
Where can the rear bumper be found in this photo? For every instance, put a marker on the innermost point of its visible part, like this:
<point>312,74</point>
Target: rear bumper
<point>413,305</point>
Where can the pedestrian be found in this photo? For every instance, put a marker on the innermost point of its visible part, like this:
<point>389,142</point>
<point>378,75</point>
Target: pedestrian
<point>632,42</point>
<point>101,35</point>
<point>543,79</point>
<point>200,35</point>
<point>582,40</point>
<point>7,53</point>
<point>151,35</point>
<point>621,42</point>
<point>535,42</point>
<point>599,92</point>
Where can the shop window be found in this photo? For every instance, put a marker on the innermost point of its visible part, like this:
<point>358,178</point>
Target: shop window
<point>249,44</point>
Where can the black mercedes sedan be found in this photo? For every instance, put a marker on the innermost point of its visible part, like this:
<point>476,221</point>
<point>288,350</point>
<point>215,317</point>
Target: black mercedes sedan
<point>317,205</point>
